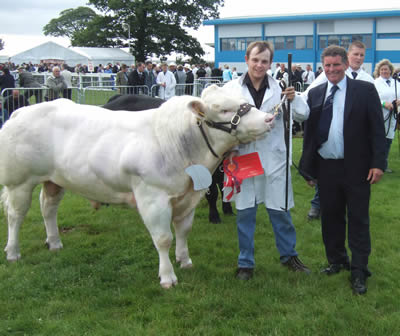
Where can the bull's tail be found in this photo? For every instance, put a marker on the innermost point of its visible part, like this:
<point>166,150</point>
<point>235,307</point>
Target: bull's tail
<point>4,200</point>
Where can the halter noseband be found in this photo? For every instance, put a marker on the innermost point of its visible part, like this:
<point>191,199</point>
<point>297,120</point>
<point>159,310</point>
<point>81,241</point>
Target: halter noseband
<point>243,109</point>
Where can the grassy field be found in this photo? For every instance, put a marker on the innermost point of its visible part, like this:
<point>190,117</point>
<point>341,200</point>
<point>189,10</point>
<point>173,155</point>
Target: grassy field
<point>104,281</point>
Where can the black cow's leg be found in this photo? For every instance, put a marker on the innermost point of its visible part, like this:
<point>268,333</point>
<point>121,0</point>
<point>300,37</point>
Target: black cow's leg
<point>212,196</point>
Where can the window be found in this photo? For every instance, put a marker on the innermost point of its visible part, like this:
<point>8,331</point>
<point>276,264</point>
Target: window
<point>228,44</point>
<point>289,43</point>
<point>333,39</point>
<point>279,43</point>
<point>242,44</point>
<point>344,40</point>
<point>300,42</point>
<point>322,42</point>
<point>310,43</point>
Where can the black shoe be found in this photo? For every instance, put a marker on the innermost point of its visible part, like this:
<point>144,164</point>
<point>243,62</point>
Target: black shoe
<point>314,213</point>
<point>335,268</point>
<point>295,264</point>
<point>358,284</point>
<point>244,273</point>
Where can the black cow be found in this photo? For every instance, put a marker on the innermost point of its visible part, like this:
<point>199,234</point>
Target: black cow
<point>140,103</point>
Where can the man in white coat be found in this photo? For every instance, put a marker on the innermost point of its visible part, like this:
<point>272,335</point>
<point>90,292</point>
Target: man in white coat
<point>166,81</point>
<point>269,189</point>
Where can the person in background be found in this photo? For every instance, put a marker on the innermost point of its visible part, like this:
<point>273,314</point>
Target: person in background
<point>180,77</point>
<point>166,81</point>
<point>308,76</point>
<point>189,79</point>
<point>56,84</point>
<point>150,76</point>
<point>27,80</point>
<point>226,74</point>
<point>234,73</point>
<point>385,85</point>
<point>122,79</point>
<point>14,102</point>
<point>137,78</point>
<point>67,75</point>
<point>7,81</point>
<point>268,189</point>
<point>344,152</point>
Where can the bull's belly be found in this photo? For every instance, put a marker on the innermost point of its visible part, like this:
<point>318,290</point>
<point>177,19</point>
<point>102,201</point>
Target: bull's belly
<point>182,206</point>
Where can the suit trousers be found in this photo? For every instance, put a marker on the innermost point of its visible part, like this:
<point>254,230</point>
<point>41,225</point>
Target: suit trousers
<point>340,196</point>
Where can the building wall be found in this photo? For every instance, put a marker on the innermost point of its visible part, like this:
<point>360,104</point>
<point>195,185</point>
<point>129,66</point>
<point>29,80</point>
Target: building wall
<point>381,34</point>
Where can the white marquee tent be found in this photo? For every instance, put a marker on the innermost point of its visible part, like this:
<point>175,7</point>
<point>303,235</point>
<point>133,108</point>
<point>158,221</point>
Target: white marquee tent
<point>53,52</point>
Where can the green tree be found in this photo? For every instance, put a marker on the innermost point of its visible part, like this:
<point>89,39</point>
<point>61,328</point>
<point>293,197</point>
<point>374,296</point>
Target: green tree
<point>1,44</point>
<point>70,22</point>
<point>156,26</point>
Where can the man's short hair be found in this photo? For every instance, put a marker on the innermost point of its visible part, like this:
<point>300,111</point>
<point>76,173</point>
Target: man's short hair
<point>334,50</point>
<point>357,44</point>
<point>262,46</point>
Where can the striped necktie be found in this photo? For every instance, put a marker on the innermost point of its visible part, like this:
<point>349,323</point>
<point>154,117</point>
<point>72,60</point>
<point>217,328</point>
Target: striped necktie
<point>326,117</point>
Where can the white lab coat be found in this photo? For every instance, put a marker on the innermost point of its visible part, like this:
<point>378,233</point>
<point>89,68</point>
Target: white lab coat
<point>269,188</point>
<point>387,94</point>
<point>169,90</point>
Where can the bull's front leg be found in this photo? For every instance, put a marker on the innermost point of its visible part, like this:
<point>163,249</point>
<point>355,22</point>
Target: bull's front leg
<point>156,212</point>
<point>182,230</point>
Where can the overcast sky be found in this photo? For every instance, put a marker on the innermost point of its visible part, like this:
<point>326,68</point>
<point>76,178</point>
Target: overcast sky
<point>22,21</point>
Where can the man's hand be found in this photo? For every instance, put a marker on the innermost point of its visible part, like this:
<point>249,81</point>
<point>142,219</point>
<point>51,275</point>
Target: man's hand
<point>290,93</point>
<point>312,183</point>
<point>374,175</point>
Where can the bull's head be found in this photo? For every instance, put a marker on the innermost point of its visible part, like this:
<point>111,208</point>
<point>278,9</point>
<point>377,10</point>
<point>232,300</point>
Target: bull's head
<point>228,111</point>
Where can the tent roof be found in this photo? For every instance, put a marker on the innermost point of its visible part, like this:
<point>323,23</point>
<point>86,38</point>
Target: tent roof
<point>73,55</point>
<point>47,50</point>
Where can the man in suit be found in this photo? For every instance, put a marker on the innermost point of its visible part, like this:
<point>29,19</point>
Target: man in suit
<point>137,78</point>
<point>343,149</point>
<point>122,79</point>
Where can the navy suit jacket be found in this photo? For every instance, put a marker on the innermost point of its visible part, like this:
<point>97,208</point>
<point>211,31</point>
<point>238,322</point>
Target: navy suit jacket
<point>363,131</point>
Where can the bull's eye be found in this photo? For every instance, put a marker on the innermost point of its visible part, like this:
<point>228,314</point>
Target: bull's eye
<point>225,111</point>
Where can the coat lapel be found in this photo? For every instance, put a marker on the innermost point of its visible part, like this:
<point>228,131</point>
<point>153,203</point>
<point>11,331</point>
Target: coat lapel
<point>349,99</point>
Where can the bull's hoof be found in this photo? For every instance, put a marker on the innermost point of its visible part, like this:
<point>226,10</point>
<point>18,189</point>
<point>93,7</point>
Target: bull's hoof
<point>13,254</point>
<point>54,245</point>
<point>186,264</point>
<point>169,284</point>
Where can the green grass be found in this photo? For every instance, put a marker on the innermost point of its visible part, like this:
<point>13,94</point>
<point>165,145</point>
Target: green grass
<point>104,281</point>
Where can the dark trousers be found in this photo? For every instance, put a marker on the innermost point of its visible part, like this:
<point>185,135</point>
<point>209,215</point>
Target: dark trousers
<point>340,196</point>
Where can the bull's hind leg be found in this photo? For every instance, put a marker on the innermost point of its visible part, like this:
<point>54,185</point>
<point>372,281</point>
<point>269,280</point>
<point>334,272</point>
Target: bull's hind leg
<point>50,198</point>
<point>16,201</point>
<point>156,212</point>
<point>182,230</point>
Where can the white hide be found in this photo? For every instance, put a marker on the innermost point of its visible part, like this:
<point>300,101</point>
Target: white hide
<point>133,158</point>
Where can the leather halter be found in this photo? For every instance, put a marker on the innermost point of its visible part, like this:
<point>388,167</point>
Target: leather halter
<point>243,109</point>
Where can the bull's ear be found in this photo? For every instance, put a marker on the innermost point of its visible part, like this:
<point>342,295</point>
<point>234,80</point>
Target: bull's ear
<point>198,108</point>
<point>209,89</point>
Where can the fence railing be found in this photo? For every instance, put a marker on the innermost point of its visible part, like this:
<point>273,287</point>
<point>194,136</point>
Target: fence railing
<point>94,90</point>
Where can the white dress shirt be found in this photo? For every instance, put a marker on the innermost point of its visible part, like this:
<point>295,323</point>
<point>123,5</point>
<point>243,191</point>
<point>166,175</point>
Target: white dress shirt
<point>333,148</point>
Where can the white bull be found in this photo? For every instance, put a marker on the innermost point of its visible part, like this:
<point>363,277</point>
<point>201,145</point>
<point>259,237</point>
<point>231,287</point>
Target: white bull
<point>133,158</point>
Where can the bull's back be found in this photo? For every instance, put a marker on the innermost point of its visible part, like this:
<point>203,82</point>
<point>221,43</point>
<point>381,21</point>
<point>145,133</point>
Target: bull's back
<point>57,135</point>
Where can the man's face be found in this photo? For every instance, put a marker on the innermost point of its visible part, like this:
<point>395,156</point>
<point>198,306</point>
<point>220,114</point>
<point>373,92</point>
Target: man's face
<point>334,68</point>
<point>356,57</point>
<point>308,67</point>
<point>258,63</point>
<point>56,72</point>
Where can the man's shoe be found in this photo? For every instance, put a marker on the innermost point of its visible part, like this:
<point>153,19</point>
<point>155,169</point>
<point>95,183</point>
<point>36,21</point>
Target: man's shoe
<point>314,213</point>
<point>358,284</point>
<point>244,273</point>
<point>295,264</point>
<point>335,268</point>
